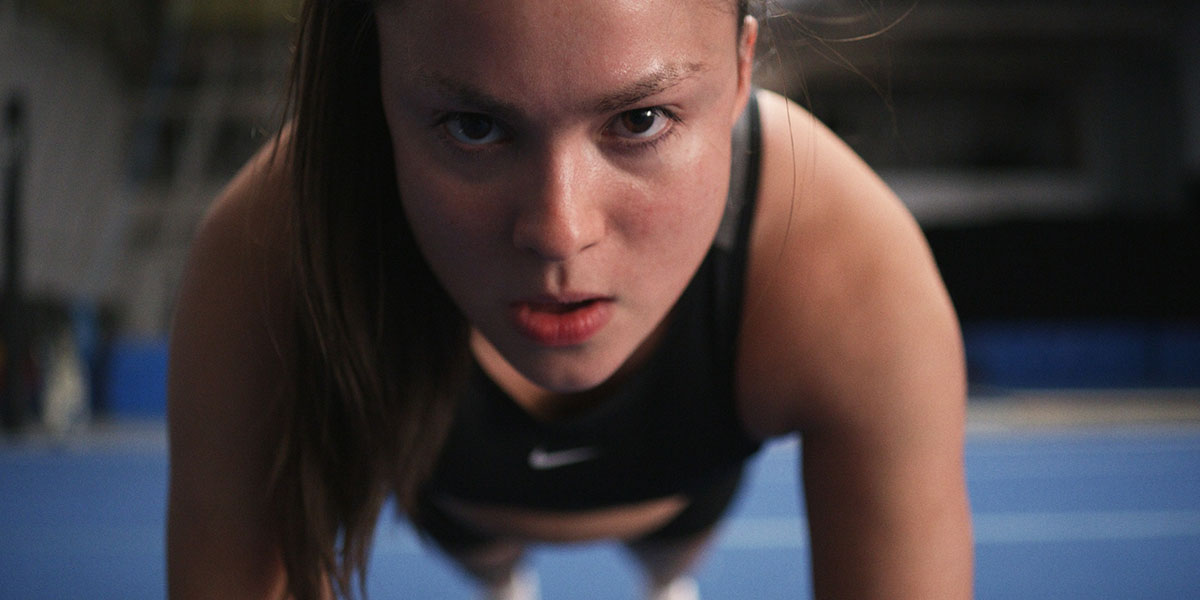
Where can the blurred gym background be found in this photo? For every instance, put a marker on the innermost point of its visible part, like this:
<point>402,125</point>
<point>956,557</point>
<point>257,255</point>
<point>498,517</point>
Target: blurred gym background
<point>1050,149</point>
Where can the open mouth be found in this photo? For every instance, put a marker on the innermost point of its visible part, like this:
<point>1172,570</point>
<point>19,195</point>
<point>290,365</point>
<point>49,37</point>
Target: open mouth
<point>557,324</point>
<point>562,308</point>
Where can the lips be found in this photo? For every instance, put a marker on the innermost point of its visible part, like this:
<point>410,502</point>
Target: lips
<point>560,321</point>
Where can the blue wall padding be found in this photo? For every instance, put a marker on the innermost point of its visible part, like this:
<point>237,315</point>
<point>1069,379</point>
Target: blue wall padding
<point>1053,354</point>
<point>1002,354</point>
<point>1178,356</point>
<point>136,384</point>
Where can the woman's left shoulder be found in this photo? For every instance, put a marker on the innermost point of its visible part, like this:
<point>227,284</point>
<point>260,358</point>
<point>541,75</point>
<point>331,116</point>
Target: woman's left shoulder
<point>844,306</point>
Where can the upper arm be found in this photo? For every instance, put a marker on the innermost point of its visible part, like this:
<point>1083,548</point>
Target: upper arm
<point>227,361</point>
<point>849,338</point>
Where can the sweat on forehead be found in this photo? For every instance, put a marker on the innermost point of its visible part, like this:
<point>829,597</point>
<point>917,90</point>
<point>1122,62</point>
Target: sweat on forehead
<point>678,10</point>
<point>741,7</point>
<point>609,52</point>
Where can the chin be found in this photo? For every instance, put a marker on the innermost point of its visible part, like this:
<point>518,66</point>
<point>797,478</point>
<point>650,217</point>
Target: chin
<point>571,371</point>
<point>568,379</point>
<point>563,370</point>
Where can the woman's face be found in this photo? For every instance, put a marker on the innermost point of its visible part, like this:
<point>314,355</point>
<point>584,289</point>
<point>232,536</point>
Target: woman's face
<point>563,165</point>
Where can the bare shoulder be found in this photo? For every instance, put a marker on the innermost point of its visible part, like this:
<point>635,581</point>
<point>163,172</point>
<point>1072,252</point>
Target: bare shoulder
<point>845,316</point>
<point>228,355</point>
<point>235,280</point>
<point>246,225</point>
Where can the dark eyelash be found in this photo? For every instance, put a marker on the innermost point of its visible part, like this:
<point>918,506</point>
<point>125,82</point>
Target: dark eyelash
<point>439,122</point>
<point>653,143</point>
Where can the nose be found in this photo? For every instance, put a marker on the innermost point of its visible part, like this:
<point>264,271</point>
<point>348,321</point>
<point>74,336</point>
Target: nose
<point>561,214</point>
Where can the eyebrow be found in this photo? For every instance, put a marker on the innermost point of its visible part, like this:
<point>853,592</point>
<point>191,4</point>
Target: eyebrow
<point>468,95</point>
<point>655,82</point>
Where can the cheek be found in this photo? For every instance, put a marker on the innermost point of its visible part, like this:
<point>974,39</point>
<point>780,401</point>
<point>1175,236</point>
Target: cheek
<point>674,226</point>
<point>438,210</point>
<point>435,201</point>
<point>683,209</point>
<point>453,231</point>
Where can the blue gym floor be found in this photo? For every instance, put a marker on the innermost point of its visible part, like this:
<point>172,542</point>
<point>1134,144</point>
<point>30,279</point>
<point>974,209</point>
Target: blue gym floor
<point>1110,510</point>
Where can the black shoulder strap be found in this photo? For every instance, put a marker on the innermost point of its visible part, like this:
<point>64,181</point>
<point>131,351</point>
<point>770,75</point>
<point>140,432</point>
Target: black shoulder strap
<point>750,181</point>
<point>743,178</point>
<point>731,248</point>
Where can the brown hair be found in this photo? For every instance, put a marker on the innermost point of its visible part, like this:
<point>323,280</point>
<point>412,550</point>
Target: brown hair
<point>381,349</point>
<point>380,346</point>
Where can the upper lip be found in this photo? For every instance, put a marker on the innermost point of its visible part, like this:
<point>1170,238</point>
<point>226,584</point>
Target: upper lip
<point>568,297</point>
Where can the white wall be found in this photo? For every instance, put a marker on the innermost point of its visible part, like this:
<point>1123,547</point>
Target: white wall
<point>76,123</point>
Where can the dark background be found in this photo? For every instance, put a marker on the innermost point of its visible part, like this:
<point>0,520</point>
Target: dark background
<point>1049,149</point>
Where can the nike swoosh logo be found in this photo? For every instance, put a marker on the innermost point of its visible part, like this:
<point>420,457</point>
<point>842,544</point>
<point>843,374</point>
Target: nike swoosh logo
<point>541,460</point>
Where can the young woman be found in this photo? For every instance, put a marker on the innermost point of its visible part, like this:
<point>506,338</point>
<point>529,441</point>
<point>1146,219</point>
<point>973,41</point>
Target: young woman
<point>552,271</point>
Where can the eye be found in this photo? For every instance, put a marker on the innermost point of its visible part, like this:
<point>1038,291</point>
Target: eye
<point>641,123</point>
<point>472,129</point>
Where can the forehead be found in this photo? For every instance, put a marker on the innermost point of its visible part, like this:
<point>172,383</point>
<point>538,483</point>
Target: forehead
<point>551,50</point>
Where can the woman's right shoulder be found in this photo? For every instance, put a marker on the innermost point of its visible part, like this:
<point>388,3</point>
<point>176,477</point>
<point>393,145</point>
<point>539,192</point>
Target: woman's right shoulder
<point>249,220</point>
<point>230,354</point>
<point>240,255</point>
<point>234,314</point>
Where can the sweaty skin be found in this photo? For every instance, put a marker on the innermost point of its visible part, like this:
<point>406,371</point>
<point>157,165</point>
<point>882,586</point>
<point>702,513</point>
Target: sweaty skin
<point>553,198</point>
